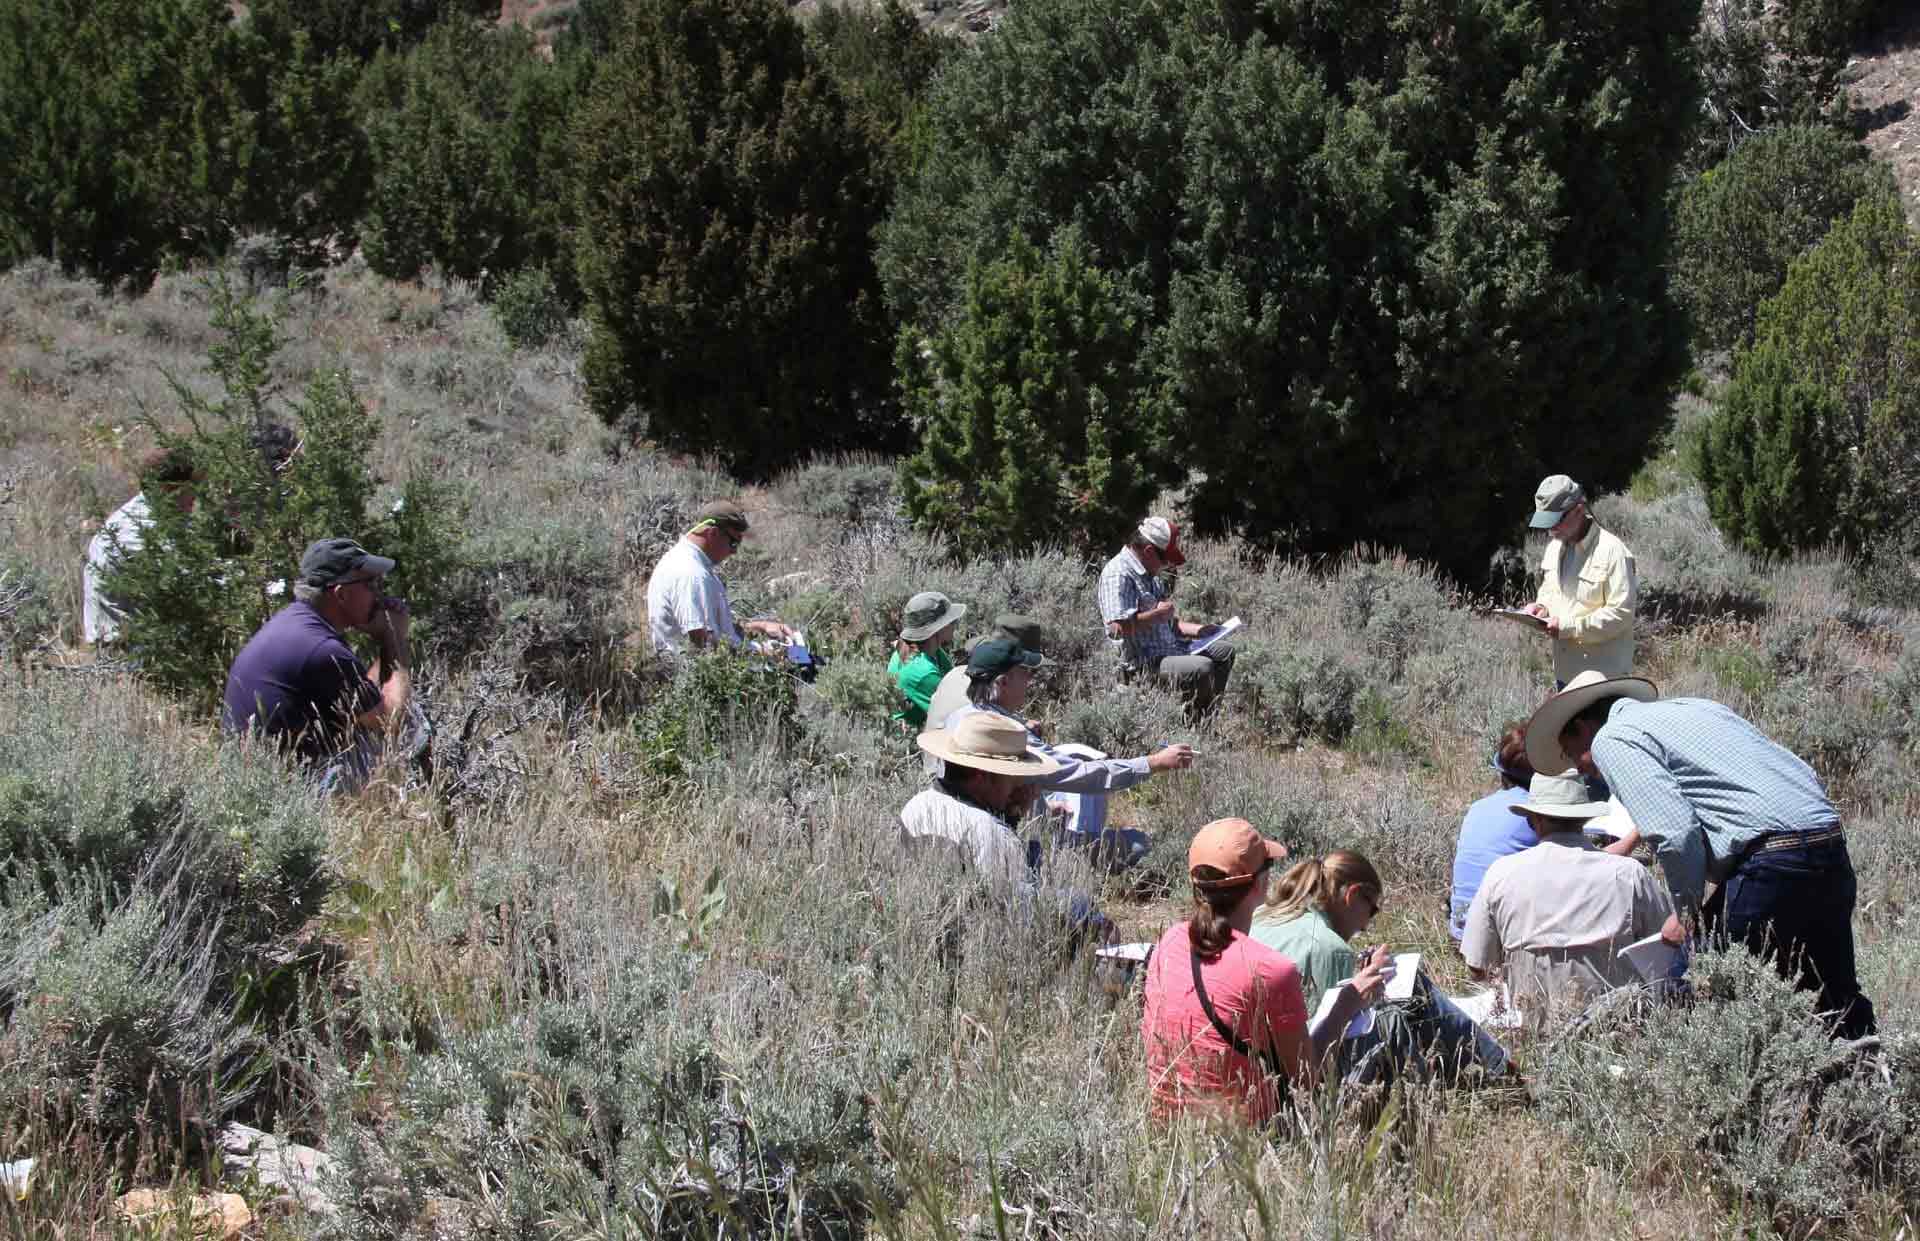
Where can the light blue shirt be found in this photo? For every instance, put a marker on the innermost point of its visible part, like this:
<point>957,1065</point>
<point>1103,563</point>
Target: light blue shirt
<point>1703,784</point>
<point>1489,832</point>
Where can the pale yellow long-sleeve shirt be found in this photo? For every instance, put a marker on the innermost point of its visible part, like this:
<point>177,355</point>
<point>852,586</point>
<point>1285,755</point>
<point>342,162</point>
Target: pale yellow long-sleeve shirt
<point>1590,588</point>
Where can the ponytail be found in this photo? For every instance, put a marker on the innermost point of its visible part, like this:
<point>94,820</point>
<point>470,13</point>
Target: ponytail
<point>1316,883</point>
<point>1209,928</point>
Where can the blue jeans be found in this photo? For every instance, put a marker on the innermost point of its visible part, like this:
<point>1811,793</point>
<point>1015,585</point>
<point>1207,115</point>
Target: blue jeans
<point>1425,1037</point>
<point>1795,906</point>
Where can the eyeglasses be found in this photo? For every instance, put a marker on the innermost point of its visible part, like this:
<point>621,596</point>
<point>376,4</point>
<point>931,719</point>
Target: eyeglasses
<point>733,540</point>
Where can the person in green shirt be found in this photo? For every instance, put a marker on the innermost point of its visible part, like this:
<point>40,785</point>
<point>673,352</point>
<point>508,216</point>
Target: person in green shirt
<point>920,657</point>
<point>1316,909</point>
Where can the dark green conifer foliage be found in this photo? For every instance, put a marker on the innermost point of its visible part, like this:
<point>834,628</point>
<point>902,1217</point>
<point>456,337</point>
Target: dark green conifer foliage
<point>1741,222</point>
<point>1032,425</point>
<point>109,119</point>
<point>468,135</point>
<point>1395,259</point>
<point>199,586</point>
<point>1818,440</point>
<point>726,205</point>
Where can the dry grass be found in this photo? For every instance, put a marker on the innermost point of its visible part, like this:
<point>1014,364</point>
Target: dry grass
<point>991,1081</point>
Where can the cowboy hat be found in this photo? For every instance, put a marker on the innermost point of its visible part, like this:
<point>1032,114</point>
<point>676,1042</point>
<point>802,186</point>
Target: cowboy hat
<point>1543,730</point>
<point>988,742</point>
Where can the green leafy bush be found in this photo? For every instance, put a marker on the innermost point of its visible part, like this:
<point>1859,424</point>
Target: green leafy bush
<point>529,309</point>
<point>1739,224</point>
<point>205,579</point>
<point>713,699</point>
<point>1034,422</point>
<point>1437,215</point>
<point>1814,442</point>
<point>726,204</point>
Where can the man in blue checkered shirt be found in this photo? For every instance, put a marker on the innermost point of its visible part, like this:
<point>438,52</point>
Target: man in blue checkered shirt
<point>1721,801</point>
<point>1136,608</point>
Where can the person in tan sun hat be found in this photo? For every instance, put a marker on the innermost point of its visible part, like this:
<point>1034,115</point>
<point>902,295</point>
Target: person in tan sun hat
<point>985,789</point>
<point>1557,915</point>
<point>1588,590</point>
<point>1225,1022</point>
<point>974,809</point>
<point>1721,801</point>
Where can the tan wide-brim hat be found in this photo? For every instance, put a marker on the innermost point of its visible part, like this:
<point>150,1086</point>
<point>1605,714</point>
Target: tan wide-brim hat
<point>1543,730</point>
<point>986,741</point>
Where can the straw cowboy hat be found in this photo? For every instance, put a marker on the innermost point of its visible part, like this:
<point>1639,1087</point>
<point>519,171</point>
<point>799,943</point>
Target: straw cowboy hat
<point>927,614</point>
<point>1543,730</point>
<point>1560,797</point>
<point>988,742</point>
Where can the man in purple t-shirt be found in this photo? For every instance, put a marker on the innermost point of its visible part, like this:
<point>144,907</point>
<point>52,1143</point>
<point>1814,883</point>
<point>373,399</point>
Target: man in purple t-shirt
<point>298,683</point>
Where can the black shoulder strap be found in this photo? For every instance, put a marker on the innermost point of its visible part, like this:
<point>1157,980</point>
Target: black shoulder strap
<point>1268,1063</point>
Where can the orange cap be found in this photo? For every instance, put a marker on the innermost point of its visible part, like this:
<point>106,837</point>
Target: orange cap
<point>1234,848</point>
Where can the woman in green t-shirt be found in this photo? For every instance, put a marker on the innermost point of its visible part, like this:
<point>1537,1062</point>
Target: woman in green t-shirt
<point>920,657</point>
<point>1315,910</point>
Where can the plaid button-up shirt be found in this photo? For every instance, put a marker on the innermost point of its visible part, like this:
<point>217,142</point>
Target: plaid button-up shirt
<point>1703,785</point>
<point>1125,588</point>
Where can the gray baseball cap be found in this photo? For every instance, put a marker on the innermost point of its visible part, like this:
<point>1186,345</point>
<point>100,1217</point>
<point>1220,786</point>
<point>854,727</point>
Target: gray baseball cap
<point>1556,495</point>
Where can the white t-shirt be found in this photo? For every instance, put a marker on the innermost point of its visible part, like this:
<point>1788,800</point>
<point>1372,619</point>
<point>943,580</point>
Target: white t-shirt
<point>119,535</point>
<point>685,594</point>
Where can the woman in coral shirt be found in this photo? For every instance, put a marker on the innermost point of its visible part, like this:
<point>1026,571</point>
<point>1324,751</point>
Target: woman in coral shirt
<point>1225,1023</point>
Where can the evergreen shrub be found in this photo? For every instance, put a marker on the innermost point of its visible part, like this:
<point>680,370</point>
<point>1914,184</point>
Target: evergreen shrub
<point>1815,441</point>
<point>1370,311</point>
<point>1739,224</point>
<point>726,202</point>
<point>206,579</point>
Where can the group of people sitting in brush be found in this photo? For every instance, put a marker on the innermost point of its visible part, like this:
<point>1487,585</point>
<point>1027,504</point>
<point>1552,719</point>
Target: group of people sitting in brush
<point>1750,847</point>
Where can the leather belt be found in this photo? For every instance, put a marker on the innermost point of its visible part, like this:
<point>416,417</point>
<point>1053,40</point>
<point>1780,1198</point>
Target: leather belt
<point>1795,840</point>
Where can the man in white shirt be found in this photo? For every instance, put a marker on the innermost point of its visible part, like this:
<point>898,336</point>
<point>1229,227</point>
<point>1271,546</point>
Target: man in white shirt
<point>169,472</point>
<point>1558,914</point>
<point>1588,591</point>
<point>687,605</point>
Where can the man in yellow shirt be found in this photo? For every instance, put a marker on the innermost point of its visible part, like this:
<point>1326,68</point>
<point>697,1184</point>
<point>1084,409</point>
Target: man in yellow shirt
<point>1587,587</point>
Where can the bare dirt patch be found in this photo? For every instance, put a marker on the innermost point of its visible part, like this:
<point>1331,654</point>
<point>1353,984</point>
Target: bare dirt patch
<point>1884,91</point>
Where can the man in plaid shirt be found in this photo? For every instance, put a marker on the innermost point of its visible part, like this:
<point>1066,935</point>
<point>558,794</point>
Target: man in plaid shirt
<point>1148,637</point>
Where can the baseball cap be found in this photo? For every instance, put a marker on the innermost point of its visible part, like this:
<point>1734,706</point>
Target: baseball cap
<point>724,513</point>
<point>329,562</point>
<point>1235,849</point>
<point>1557,494</point>
<point>1165,536</point>
<point>993,656</point>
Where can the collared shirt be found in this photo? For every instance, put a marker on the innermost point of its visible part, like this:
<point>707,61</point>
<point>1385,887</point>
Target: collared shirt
<point>1125,588</point>
<point>119,536</point>
<point>936,819</point>
<point>1076,775</point>
<point>917,679</point>
<point>1703,785</point>
<point>685,594</point>
<point>1489,832</point>
<point>1557,916</point>
<point>1590,588</point>
<point>1309,941</point>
